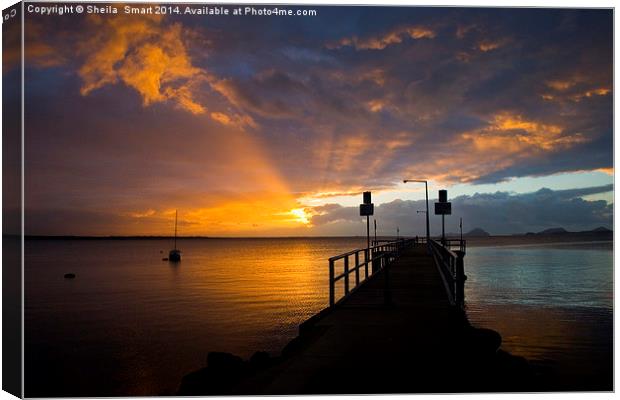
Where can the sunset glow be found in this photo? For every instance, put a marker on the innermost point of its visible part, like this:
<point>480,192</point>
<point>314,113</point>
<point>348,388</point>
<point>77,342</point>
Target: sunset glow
<point>300,215</point>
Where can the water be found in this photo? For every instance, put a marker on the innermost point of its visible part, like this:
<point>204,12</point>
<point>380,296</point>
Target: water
<point>132,324</point>
<point>552,304</point>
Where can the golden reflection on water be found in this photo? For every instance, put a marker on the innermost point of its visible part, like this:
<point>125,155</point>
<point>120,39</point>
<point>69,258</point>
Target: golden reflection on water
<point>144,323</point>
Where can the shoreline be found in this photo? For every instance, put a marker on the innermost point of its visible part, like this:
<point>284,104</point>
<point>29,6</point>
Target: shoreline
<point>493,240</point>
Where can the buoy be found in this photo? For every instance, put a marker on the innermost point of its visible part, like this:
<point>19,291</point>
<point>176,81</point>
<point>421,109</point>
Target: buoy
<point>69,276</point>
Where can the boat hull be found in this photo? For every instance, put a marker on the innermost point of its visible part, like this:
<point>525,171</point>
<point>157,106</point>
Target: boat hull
<point>175,255</point>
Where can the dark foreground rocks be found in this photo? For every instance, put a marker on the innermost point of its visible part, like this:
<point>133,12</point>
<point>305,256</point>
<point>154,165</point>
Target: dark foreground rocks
<point>465,360</point>
<point>223,372</point>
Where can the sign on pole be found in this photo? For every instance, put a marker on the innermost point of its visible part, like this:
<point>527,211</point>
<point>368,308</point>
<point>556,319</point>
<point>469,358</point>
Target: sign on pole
<point>443,208</point>
<point>367,208</point>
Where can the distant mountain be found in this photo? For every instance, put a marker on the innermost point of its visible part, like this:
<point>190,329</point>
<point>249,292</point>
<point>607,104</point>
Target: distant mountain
<point>477,232</point>
<point>601,229</point>
<point>553,231</point>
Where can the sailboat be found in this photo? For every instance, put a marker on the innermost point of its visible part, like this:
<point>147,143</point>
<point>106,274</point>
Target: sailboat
<point>175,254</point>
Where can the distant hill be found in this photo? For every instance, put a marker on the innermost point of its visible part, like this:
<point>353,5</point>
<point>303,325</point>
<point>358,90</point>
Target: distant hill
<point>553,231</point>
<point>601,230</point>
<point>476,232</point>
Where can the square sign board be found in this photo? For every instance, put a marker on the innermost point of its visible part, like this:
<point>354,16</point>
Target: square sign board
<point>367,209</point>
<point>443,208</point>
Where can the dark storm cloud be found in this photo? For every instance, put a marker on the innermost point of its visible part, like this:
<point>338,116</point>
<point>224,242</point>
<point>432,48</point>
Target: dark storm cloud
<point>432,74</point>
<point>497,213</point>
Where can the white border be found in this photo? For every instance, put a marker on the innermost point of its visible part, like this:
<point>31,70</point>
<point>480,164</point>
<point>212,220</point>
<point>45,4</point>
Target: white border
<point>458,3</point>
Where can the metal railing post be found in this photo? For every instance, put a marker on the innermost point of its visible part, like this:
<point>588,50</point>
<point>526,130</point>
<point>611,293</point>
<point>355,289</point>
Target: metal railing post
<point>357,268</point>
<point>346,275</point>
<point>332,285</point>
<point>460,279</point>
<point>366,262</point>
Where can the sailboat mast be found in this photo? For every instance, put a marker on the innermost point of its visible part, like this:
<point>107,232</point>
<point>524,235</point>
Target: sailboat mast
<point>176,213</point>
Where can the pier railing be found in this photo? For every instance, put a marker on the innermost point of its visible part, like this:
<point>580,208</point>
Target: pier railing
<point>456,244</point>
<point>451,266</point>
<point>368,260</point>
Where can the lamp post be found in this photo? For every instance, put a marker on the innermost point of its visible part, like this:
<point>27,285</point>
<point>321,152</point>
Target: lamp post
<point>428,236</point>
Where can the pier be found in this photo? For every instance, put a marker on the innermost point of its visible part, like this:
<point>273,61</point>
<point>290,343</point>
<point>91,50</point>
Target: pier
<point>395,323</point>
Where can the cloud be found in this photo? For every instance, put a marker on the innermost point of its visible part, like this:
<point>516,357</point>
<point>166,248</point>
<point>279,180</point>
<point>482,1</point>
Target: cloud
<point>395,36</point>
<point>238,106</point>
<point>560,85</point>
<point>497,213</point>
<point>38,53</point>
<point>510,135</point>
<point>574,88</point>
<point>144,54</point>
<point>488,45</point>
<point>271,93</point>
<point>463,30</point>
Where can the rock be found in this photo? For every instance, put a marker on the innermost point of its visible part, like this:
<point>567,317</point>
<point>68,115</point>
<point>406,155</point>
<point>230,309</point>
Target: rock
<point>224,361</point>
<point>482,341</point>
<point>487,341</point>
<point>223,372</point>
<point>260,359</point>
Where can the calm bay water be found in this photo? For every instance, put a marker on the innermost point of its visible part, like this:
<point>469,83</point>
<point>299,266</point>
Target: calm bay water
<point>132,324</point>
<point>552,304</point>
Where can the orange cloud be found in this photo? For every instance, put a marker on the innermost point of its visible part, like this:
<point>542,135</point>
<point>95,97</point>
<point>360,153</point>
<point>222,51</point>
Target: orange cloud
<point>221,118</point>
<point>395,36</point>
<point>574,89</point>
<point>560,85</point>
<point>488,45</point>
<point>145,55</point>
<point>375,105</point>
<point>602,91</point>
<point>509,134</point>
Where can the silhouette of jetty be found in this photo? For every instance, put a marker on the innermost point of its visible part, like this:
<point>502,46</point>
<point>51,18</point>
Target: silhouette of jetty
<point>417,342</point>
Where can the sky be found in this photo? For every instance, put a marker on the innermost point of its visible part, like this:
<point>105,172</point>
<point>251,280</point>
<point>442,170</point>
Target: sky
<point>274,126</point>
